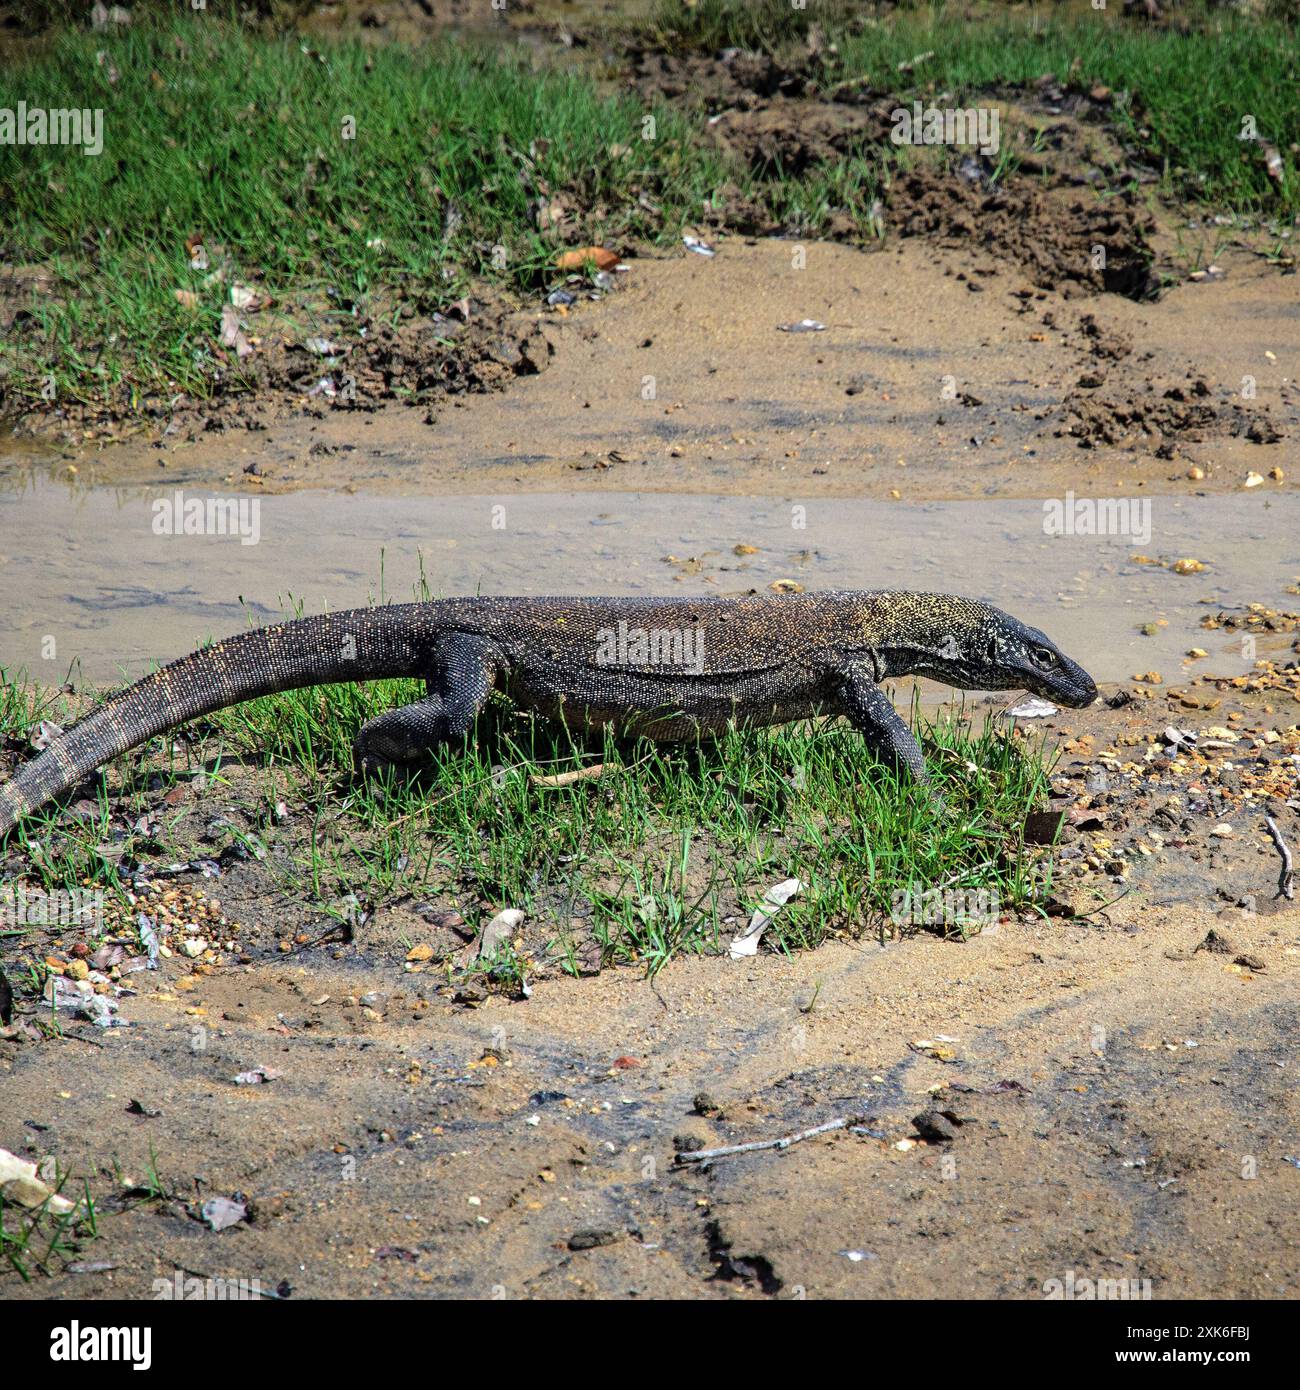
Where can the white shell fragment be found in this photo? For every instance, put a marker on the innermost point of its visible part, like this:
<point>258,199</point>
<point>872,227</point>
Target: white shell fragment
<point>19,1183</point>
<point>1031,707</point>
<point>498,931</point>
<point>746,942</point>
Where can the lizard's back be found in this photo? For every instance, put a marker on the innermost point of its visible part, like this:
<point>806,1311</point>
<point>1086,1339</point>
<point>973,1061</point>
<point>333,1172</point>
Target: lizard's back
<point>664,667</point>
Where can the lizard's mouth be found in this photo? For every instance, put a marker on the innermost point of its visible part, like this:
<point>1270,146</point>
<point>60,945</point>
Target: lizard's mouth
<point>1066,684</point>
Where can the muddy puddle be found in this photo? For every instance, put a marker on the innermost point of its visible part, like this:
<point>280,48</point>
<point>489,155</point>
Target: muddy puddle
<point>95,568</point>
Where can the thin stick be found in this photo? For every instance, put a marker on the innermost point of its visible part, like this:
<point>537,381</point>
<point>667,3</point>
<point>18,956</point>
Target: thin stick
<point>513,767</point>
<point>565,779</point>
<point>704,1155</point>
<point>847,83</point>
<point>1285,879</point>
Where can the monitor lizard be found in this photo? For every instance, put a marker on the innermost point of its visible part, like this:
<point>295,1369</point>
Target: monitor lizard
<point>666,668</point>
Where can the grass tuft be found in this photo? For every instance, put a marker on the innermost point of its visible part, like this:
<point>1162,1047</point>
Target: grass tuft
<point>331,179</point>
<point>474,165</point>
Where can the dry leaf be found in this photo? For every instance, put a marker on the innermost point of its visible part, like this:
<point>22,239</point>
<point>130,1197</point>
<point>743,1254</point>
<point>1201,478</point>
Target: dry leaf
<point>575,260</point>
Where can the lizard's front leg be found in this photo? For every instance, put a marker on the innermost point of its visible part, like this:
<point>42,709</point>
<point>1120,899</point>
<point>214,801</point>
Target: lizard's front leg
<point>464,670</point>
<point>872,713</point>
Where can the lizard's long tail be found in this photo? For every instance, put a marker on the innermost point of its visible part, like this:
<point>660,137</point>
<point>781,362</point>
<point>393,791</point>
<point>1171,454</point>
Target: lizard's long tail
<point>364,643</point>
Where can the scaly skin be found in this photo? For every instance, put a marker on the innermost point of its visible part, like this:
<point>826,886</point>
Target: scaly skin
<point>667,668</point>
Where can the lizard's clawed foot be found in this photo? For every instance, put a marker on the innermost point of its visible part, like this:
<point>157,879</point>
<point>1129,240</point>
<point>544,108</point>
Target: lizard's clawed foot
<point>400,738</point>
<point>374,753</point>
<point>371,764</point>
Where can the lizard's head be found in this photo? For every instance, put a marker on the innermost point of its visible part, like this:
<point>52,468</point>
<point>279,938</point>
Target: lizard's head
<point>1019,656</point>
<point>975,646</point>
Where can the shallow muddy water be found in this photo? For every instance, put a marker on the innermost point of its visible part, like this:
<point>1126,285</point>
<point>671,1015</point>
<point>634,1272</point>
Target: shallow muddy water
<point>90,575</point>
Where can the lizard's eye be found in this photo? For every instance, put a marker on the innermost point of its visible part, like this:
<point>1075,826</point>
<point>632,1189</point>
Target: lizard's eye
<point>1044,657</point>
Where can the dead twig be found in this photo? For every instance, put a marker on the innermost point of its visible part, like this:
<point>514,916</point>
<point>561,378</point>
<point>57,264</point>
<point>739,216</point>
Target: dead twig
<point>565,779</point>
<point>561,779</point>
<point>704,1155</point>
<point>583,774</point>
<point>846,84</point>
<point>76,1037</point>
<point>1286,878</point>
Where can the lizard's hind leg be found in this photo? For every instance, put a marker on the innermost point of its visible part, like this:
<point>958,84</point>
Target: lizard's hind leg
<point>464,670</point>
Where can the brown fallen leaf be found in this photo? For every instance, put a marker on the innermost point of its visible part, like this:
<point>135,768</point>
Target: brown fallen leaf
<point>1042,827</point>
<point>575,260</point>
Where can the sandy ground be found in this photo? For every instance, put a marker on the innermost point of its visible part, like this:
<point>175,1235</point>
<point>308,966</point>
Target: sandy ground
<point>917,387</point>
<point>1117,1084</point>
<point>1124,1116</point>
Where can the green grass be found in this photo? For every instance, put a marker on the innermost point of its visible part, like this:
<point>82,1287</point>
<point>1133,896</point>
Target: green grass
<point>211,131</point>
<point>1186,92</point>
<point>36,16</point>
<point>668,851</point>
<point>236,136</point>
